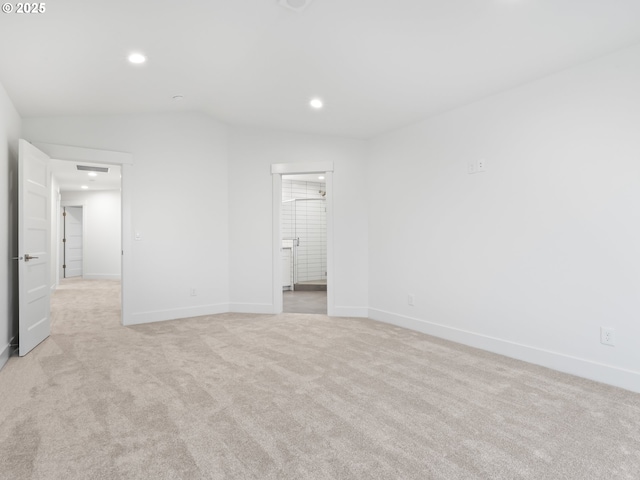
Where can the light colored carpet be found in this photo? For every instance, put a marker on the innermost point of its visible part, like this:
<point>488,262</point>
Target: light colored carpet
<point>294,397</point>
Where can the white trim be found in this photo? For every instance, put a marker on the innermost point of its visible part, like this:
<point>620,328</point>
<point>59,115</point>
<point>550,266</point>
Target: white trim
<point>276,198</point>
<point>295,168</point>
<point>126,200</point>
<point>277,170</point>
<point>101,276</point>
<point>176,313</point>
<point>580,367</point>
<point>251,308</point>
<point>331,299</point>
<point>125,160</point>
<point>6,353</point>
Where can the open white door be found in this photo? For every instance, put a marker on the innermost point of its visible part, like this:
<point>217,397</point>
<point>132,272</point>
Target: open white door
<point>34,220</point>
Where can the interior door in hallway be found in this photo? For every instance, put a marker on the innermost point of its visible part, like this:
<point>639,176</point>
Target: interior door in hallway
<point>34,227</point>
<point>72,260</point>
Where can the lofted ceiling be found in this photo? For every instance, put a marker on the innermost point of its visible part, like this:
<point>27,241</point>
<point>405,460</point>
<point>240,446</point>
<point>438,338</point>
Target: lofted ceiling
<point>377,64</point>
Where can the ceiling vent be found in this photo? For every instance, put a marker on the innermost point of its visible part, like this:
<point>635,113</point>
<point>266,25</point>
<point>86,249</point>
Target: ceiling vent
<point>295,5</point>
<point>92,169</point>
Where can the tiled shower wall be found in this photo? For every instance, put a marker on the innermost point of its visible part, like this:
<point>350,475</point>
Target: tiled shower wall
<point>306,220</point>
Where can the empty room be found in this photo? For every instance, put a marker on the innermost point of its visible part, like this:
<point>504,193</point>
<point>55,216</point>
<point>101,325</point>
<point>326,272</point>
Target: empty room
<point>318,239</point>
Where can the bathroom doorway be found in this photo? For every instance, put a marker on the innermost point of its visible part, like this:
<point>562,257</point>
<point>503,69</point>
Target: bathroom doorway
<point>278,171</point>
<point>303,217</point>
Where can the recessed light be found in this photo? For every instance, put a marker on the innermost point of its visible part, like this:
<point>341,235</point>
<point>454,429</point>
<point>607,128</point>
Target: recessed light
<point>320,177</point>
<point>137,58</point>
<point>295,5</point>
<point>316,103</point>
<point>92,174</point>
<point>84,187</point>
<point>178,98</point>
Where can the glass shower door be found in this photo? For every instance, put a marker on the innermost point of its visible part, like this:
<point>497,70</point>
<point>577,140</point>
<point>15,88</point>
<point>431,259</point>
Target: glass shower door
<point>310,257</point>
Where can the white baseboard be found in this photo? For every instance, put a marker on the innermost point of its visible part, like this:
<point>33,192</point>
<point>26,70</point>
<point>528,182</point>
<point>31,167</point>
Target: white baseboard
<point>266,308</point>
<point>619,377</point>
<point>101,276</point>
<point>362,312</point>
<point>6,353</point>
<point>175,314</point>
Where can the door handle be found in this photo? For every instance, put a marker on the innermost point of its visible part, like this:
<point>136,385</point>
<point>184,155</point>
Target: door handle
<point>28,257</point>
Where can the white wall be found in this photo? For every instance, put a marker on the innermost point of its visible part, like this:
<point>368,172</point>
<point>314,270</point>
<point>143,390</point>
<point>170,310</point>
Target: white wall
<point>531,257</point>
<point>101,256</point>
<point>252,152</point>
<point>184,196</point>
<point>10,124</point>
<point>528,259</point>
<point>179,205</point>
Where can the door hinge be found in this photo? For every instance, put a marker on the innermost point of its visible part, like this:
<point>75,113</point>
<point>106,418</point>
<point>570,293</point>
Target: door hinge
<point>64,240</point>
<point>64,214</point>
<point>64,266</point>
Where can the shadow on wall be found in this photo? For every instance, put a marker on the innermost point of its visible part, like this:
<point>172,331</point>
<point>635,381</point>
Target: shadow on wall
<point>12,281</point>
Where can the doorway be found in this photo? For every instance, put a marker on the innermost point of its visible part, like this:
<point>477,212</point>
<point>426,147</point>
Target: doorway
<point>89,233</point>
<point>39,202</point>
<point>280,171</point>
<point>304,243</point>
<point>87,237</point>
<point>71,242</point>
<point>123,164</point>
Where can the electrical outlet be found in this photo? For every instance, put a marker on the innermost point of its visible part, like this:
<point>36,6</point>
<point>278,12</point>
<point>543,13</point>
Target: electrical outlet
<point>476,166</point>
<point>193,292</point>
<point>410,299</point>
<point>607,336</point>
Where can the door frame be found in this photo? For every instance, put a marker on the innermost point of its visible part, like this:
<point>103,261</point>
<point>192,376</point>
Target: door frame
<point>125,161</point>
<point>277,170</point>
